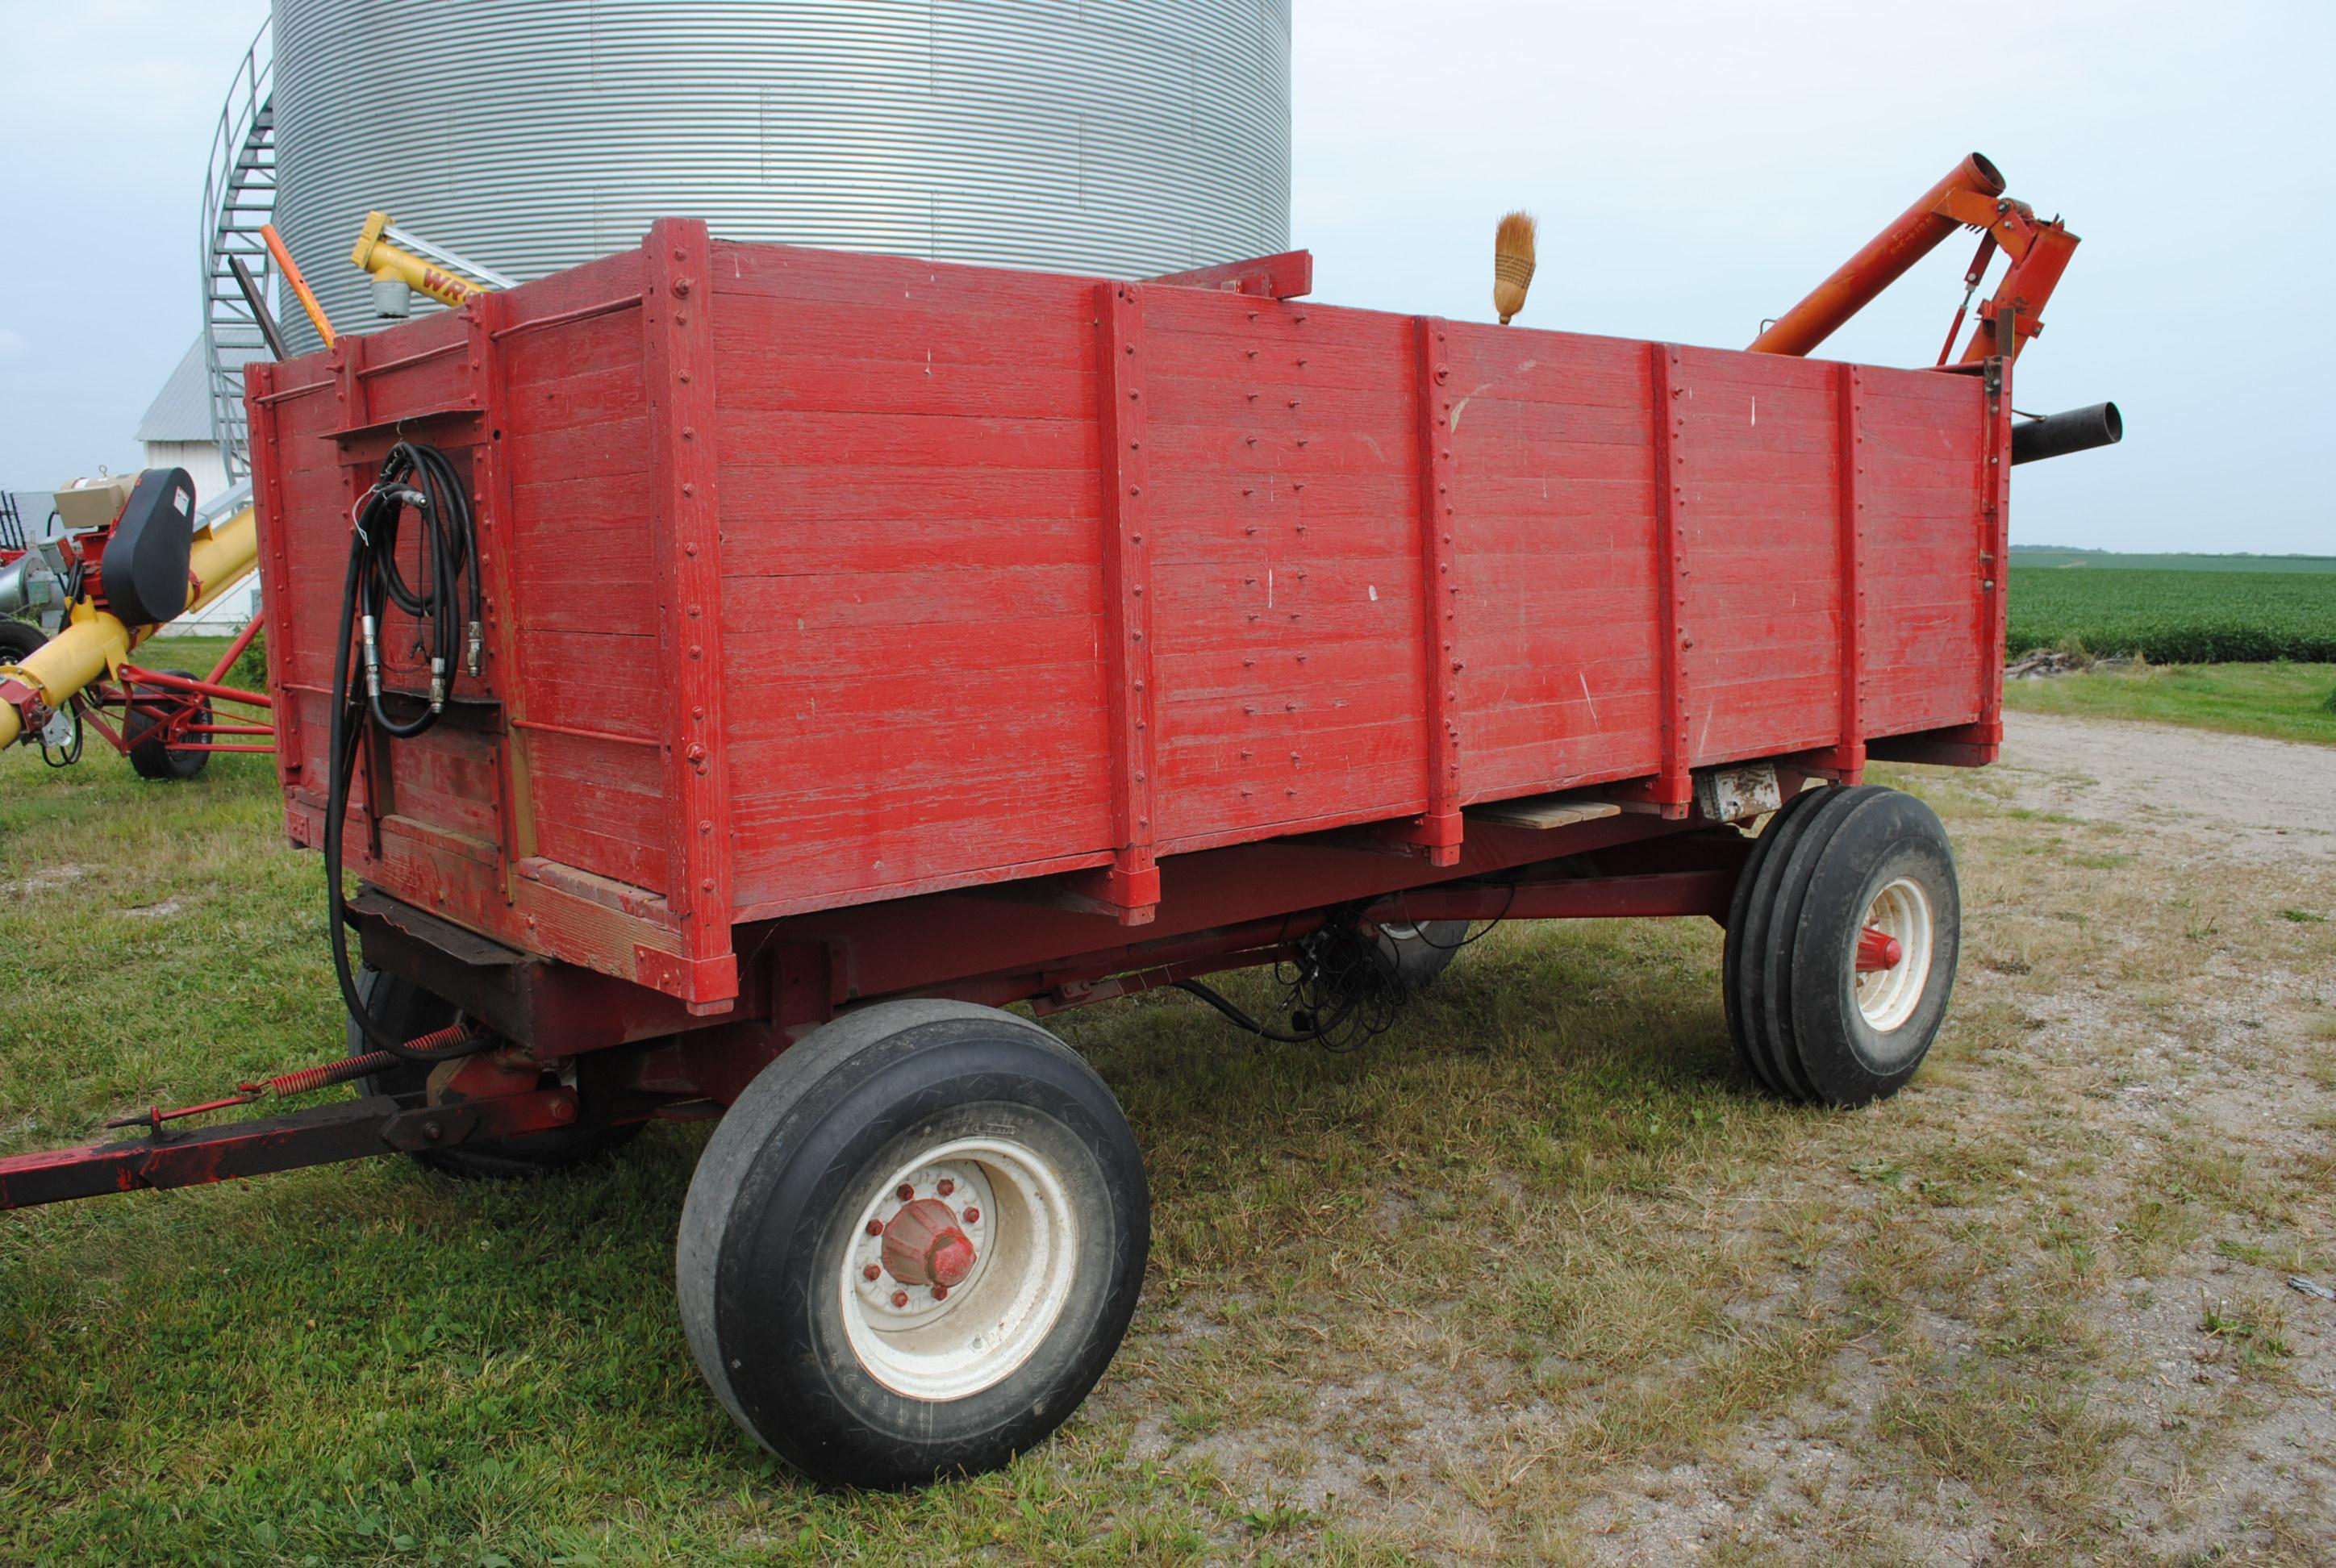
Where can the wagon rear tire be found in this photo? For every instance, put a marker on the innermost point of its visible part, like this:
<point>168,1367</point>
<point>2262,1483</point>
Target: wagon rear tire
<point>872,1326</point>
<point>1843,959</point>
<point>1416,953</point>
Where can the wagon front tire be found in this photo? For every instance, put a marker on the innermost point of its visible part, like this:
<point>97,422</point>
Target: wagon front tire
<point>913,1244</point>
<point>1843,946</point>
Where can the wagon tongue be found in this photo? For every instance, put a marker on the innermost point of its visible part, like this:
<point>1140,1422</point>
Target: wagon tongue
<point>923,1246</point>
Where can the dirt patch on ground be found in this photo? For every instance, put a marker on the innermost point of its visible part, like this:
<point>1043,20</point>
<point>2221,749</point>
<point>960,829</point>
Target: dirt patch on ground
<point>2261,799</point>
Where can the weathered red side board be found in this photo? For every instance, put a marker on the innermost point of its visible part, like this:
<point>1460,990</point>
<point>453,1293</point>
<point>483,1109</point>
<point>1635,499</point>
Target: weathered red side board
<point>815,579</point>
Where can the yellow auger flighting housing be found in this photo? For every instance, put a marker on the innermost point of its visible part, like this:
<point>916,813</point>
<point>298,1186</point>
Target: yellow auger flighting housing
<point>403,262</point>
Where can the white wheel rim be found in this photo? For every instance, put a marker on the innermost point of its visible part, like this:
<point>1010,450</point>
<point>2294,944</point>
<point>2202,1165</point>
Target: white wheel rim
<point>954,1342</point>
<point>1888,997</point>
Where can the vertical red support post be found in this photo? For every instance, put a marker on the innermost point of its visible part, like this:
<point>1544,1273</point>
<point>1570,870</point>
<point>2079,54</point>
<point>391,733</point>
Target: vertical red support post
<point>678,369</point>
<point>1441,828</point>
<point>260,388</point>
<point>1994,552</point>
<point>486,315</point>
<point>1674,786</point>
<point>1848,758</point>
<point>1132,885</point>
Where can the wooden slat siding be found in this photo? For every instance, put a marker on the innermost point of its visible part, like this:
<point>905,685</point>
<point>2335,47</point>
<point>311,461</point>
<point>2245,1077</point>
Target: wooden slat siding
<point>550,915</point>
<point>678,373</point>
<point>824,502</point>
<point>1131,686</point>
<point>1292,552</point>
<point>905,567</point>
<point>1559,573</point>
<point>1921,448</point>
<point>614,818</point>
<point>1758,526</point>
<point>425,375</point>
<point>447,778</point>
<point>1439,592</point>
<point>575,459</point>
<point>792,382</point>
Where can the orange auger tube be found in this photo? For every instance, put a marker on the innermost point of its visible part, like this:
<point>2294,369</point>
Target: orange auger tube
<point>1914,234</point>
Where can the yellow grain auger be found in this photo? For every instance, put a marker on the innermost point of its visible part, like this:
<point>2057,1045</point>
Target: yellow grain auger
<point>107,590</point>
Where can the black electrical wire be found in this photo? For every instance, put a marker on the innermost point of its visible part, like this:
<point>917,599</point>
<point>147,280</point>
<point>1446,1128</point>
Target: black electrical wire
<point>419,478</point>
<point>70,753</point>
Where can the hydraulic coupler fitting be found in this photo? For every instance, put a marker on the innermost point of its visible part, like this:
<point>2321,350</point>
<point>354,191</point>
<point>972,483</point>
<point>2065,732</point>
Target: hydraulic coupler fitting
<point>372,659</point>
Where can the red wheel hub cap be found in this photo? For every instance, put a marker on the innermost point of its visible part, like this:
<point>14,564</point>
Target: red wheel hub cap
<point>1878,949</point>
<point>923,1246</point>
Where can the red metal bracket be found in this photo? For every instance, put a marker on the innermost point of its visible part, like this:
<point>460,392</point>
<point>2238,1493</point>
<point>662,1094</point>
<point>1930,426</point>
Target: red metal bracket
<point>1285,276</point>
<point>1131,885</point>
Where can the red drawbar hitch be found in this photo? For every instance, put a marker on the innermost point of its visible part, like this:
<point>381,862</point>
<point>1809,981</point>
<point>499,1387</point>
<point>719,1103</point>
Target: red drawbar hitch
<point>498,1102</point>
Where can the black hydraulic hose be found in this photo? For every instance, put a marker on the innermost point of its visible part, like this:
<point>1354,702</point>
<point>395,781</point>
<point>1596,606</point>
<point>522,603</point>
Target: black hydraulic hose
<point>1234,1012</point>
<point>421,478</point>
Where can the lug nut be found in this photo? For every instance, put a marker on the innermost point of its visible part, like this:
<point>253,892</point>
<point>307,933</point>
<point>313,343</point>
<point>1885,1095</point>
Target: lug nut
<point>905,1193</point>
<point>973,1216</point>
<point>945,1187</point>
<point>875,1227</point>
<point>900,1298</point>
<point>871,1272</point>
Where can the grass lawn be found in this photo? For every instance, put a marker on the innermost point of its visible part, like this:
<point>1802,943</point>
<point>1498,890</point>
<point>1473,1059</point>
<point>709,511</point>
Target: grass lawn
<point>2283,701</point>
<point>1539,1275</point>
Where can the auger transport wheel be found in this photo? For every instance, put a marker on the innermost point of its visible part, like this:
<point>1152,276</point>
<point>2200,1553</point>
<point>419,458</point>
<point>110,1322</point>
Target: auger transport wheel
<point>152,757</point>
<point>913,1244</point>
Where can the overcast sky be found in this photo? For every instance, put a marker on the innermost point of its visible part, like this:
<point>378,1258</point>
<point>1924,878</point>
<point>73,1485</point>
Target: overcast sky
<point>1696,167</point>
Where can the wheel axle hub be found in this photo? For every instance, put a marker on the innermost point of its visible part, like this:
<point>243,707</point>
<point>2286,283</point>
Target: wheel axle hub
<point>924,1246</point>
<point>1878,949</point>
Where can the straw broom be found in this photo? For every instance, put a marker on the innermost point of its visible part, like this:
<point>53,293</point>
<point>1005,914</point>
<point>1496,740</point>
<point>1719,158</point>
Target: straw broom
<point>1512,263</point>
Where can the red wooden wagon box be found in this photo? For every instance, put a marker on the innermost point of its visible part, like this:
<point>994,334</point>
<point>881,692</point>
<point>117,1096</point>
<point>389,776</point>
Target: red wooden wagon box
<point>816,579</point>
